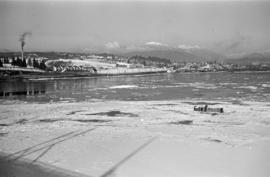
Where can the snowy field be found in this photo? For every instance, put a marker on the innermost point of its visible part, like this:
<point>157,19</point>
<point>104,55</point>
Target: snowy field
<point>92,137</point>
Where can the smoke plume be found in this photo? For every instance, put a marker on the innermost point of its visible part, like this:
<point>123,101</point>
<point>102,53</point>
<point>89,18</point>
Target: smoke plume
<point>22,38</point>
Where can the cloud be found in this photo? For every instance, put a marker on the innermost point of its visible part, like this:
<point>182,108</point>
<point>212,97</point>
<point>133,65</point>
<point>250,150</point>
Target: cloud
<point>112,45</point>
<point>155,44</point>
<point>183,46</point>
<point>235,45</point>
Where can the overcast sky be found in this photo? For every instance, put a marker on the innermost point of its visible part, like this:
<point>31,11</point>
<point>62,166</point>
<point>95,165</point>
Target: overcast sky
<point>227,27</point>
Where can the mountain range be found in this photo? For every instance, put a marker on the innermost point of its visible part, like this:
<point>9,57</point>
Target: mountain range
<point>195,54</point>
<point>252,58</point>
<point>175,54</point>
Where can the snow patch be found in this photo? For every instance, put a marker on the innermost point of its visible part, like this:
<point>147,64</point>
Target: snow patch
<point>123,86</point>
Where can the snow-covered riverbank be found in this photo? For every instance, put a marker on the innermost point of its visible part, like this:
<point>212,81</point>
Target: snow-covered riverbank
<point>91,137</point>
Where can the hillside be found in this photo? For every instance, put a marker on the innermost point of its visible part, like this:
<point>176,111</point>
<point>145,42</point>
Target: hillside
<point>263,58</point>
<point>178,55</point>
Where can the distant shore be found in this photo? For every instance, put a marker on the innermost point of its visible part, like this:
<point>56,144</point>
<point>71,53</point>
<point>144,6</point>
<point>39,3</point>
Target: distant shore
<point>109,72</point>
<point>40,74</point>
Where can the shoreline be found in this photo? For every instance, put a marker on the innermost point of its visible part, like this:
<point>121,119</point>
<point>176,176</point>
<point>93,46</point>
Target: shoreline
<point>112,72</point>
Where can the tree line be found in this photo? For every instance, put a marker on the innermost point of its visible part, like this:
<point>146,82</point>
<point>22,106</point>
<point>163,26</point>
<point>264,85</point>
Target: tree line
<point>24,63</point>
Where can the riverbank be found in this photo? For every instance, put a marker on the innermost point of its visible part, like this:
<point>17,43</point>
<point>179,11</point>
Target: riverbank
<point>91,137</point>
<point>106,72</point>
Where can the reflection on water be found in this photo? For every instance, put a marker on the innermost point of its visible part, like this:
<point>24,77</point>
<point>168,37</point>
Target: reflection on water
<point>21,93</point>
<point>21,89</point>
<point>248,86</point>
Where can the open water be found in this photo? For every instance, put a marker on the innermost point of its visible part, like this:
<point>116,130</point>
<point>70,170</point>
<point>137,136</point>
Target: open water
<point>212,86</point>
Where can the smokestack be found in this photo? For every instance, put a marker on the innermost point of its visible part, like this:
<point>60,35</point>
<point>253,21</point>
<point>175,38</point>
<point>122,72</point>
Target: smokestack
<point>22,40</point>
<point>22,45</point>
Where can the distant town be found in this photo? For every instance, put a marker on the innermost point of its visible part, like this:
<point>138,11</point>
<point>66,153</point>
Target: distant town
<point>15,64</point>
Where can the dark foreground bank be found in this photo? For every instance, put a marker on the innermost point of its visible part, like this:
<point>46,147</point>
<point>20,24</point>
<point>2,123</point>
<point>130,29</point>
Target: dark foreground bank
<point>26,168</point>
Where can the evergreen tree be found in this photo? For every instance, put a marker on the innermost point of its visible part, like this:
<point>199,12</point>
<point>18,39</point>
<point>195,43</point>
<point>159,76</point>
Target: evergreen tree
<point>42,65</point>
<point>13,62</point>
<point>29,62</point>
<point>6,60</point>
<point>35,64</point>
<point>24,63</point>
<point>19,62</point>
